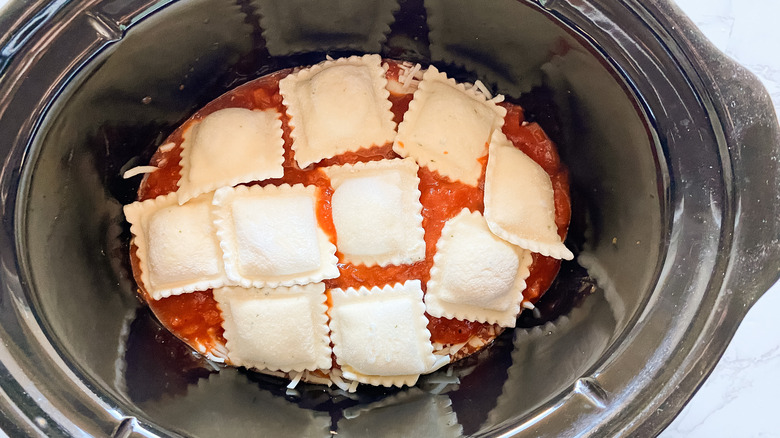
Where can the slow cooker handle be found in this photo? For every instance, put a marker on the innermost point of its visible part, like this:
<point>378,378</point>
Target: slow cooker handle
<point>752,136</point>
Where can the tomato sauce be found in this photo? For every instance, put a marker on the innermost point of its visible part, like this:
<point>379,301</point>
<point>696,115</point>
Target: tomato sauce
<point>195,317</point>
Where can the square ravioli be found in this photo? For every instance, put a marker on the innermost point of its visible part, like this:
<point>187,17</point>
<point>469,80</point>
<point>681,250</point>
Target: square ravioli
<point>476,276</point>
<point>377,212</point>
<point>229,147</point>
<point>270,236</point>
<point>281,329</point>
<point>338,106</point>
<point>177,245</point>
<point>380,336</point>
<point>447,127</point>
<point>520,202</point>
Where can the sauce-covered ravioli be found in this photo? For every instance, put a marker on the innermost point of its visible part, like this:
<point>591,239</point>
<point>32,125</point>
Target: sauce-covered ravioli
<point>338,106</point>
<point>388,229</point>
<point>277,329</point>
<point>270,236</point>
<point>229,147</point>
<point>379,334</point>
<point>177,245</point>
<point>476,276</point>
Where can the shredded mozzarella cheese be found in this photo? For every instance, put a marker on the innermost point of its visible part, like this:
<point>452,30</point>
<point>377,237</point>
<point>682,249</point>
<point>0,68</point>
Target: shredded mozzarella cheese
<point>411,78</point>
<point>483,89</point>
<point>138,170</point>
<point>296,378</point>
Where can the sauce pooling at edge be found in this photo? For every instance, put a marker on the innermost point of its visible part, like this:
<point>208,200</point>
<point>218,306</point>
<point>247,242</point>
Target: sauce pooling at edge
<point>195,317</point>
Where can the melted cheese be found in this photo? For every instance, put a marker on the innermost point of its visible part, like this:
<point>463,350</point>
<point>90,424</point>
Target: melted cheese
<point>284,329</point>
<point>338,106</point>
<point>520,202</point>
<point>476,276</point>
<point>380,335</point>
<point>270,236</point>
<point>447,127</point>
<point>229,147</point>
<point>377,212</point>
<point>177,245</point>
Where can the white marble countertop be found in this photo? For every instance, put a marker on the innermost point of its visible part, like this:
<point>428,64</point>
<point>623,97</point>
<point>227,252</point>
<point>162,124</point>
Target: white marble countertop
<point>739,399</point>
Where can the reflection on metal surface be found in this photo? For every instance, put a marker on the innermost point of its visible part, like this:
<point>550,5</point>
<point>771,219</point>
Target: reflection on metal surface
<point>488,38</point>
<point>120,363</point>
<point>596,271</point>
<point>104,26</point>
<point>549,359</point>
<point>592,390</point>
<point>295,26</point>
<point>407,414</point>
<point>253,411</point>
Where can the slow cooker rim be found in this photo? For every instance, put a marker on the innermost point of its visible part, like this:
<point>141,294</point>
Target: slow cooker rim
<point>738,102</point>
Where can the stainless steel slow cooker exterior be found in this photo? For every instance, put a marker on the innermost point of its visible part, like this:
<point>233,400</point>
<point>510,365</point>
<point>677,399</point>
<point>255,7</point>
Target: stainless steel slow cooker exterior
<point>674,153</point>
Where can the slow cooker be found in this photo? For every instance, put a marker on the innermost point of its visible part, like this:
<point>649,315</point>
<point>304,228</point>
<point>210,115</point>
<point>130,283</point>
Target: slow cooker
<point>674,157</point>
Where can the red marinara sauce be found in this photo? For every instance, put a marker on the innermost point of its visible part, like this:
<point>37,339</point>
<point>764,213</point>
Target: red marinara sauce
<point>195,317</point>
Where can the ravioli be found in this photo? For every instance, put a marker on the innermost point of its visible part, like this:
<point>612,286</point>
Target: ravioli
<point>336,107</point>
<point>270,236</point>
<point>388,228</point>
<point>177,247</point>
<point>277,329</point>
<point>229,147</point>
<point>476,276</point>
<point>379,335</point>
<point>447,127</point>
<point>520,202</point>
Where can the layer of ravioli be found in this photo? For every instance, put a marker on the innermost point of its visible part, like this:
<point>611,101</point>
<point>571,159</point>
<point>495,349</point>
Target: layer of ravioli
<point>346,261</point>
